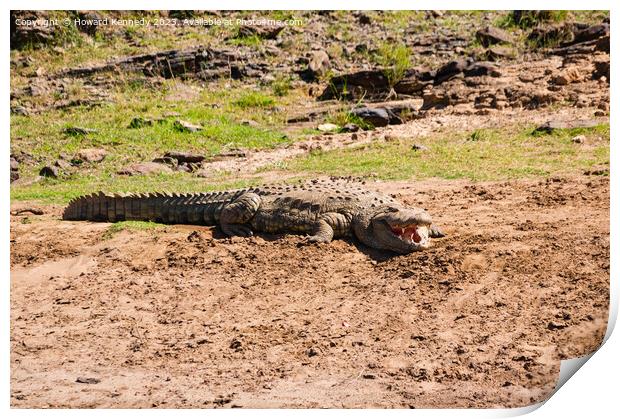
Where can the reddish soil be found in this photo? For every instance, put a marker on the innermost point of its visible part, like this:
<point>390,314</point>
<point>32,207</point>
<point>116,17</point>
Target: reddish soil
<point>181,317</point>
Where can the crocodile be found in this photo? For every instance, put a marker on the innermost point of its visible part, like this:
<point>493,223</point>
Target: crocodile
<point>323,209</point>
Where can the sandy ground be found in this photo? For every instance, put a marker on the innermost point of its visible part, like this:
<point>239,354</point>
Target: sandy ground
<point>182,317</point>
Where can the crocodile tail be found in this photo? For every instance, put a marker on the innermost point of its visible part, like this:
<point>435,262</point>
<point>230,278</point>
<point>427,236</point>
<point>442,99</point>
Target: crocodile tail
<point>197,208</point>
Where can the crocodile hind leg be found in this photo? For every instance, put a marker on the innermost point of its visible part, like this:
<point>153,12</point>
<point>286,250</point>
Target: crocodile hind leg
<point>235,215</point>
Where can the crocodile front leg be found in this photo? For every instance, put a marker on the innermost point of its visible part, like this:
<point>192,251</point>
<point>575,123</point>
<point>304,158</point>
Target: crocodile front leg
<point>235,215</point>
<point>329,225</point>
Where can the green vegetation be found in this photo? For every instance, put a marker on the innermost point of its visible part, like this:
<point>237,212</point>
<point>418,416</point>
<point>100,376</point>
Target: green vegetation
<point>525,19</point>
<point>281,86</point>
<point>484,154</point>
<point>396,59</point>
<point>343,118</point>
<point>254,100</point>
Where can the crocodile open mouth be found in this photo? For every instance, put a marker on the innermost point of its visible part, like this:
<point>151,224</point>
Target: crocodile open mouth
<point>412,233</point>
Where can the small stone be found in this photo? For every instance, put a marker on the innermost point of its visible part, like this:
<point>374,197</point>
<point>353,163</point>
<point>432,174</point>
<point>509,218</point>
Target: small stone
<point>350,127</point>
<point>49,171</point>
<point>419,147</point>
<point>319,63</point>
<point>312,352</point>
<point>63,164</point>
<point>185,157</point>
<point>556,325</point>
<point>139,122</point>
<point>328,127</point>
<point>79,131</point>
<point>236,345</point>
<point>568,76</point>
<point>88,380</point>
<point>184,126</point>
<point>20,110</point>
<point>249,123</point>
<point>92,155</point>
<point>579,139</point>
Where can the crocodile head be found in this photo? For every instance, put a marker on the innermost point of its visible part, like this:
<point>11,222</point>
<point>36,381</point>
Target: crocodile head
<point>399,229</point>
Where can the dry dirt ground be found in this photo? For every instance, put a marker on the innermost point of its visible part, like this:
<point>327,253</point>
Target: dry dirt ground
<point>181,317</point>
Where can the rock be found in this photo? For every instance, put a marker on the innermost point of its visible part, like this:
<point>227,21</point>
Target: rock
<point>377,117</point>
<point>597,171</point>
<point>414,81</point>
<point>550,126</point>
<point>250,123</point>
<point>145,169</point>
<point>589,34</point>
<point>262,31</point>
<point>139,122</point>
<point>452,69</point>
<point>328,127</point>
<point>88,380</point>
<point>183,167</point>
<point>355,84</point>
<point>482,68</point>
<point>166,160</point>
<point>319,63</point>
<point>184,157</point>
<point>601,69</point>
<point>492,35</point>
<point>544,36</point>
<point>603,44</point>
<point>363,18</point>
<point>14,169</point>
<point>20,110</point>
<point>92,155</point>
<point>419,147</point>
<point>49,171</point>
<point>568,76</point>
<point>579,139</point>
<point>499,52</point>
<point>63,164</point>
<point>556,325</point>
<point>184,126</point>
<point>350,127</point>
<point>312,352</point>
<point>230,154</point>
<point>79,131</point>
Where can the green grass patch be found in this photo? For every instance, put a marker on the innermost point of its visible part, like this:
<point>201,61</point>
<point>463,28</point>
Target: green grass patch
<point>395,59</point>
<point>254,100</point>
<point>526,19</point>
<point>487,154</point>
